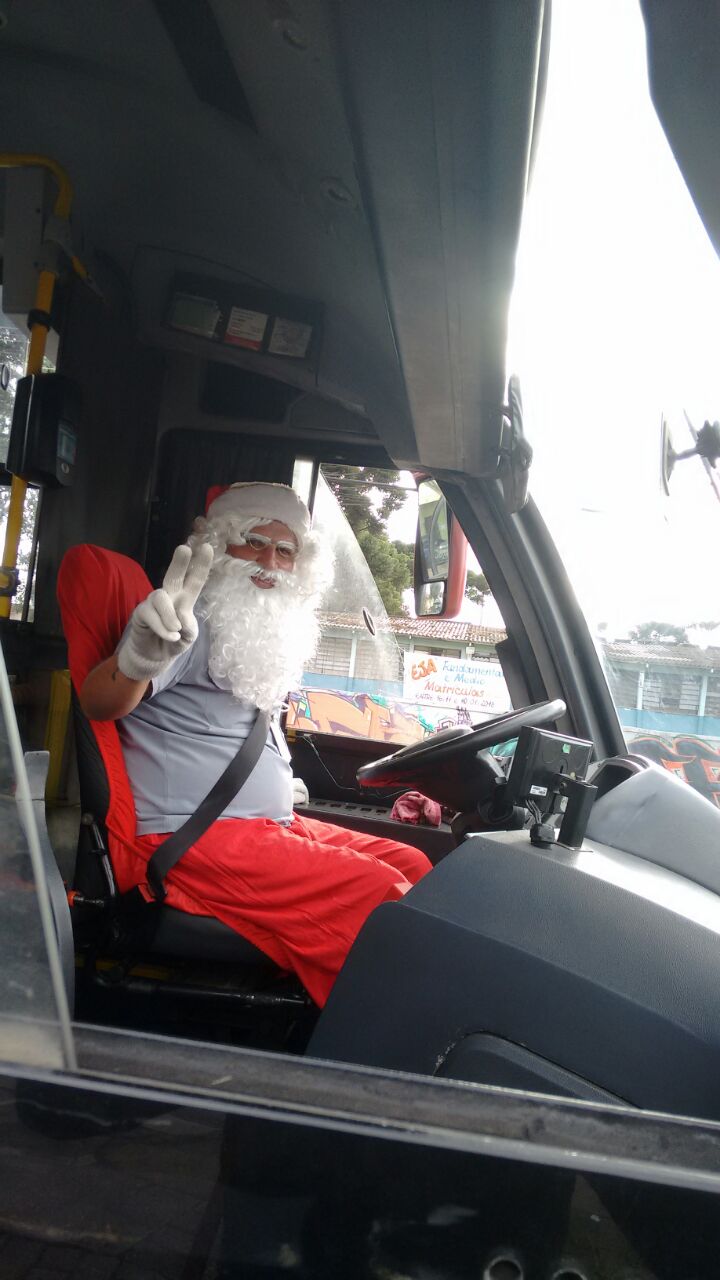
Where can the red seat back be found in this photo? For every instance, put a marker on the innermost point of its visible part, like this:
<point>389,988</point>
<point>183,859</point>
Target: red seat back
<point>97,591</point>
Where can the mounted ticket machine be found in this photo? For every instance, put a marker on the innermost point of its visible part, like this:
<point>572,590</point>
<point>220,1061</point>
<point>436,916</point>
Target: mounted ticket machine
<point>43,437</point>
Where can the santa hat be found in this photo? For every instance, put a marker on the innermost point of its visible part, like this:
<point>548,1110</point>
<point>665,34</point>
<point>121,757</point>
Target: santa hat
<point>260,501</point>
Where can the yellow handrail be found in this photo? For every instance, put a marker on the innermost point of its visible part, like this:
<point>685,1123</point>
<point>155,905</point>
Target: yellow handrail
<point>30,160</point>
<point>56,731</point>
<point>38,338</point>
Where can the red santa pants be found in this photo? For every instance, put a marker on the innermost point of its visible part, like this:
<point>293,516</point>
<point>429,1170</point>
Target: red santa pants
<point>300,893</point>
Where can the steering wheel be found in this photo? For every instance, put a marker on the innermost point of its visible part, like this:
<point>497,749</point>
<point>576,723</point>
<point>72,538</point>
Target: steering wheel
<point>440,765</point>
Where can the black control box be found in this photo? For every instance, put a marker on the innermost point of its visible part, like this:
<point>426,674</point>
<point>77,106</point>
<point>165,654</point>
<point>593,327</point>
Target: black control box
<point>541,761</point>
<point>43,436</point>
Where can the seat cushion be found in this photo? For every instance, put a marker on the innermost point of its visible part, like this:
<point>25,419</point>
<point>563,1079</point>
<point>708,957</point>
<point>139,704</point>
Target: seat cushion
<point>203,938</point>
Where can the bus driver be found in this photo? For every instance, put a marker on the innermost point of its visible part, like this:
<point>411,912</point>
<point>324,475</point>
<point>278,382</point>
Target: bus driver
<point>229,632</point>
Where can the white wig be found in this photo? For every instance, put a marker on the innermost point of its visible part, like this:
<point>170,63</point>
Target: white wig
<point>260,640</point>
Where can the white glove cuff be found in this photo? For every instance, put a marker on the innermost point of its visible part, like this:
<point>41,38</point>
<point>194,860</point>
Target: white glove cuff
<point>300,792</point>
<point>137,666</point>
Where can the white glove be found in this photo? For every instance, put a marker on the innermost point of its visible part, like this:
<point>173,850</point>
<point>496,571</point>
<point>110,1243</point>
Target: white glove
<point>164,625</point>
<point>301,794</point>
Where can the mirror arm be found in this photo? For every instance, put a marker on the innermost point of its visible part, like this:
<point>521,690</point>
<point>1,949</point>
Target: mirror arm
<point>514,454</point>
<point>706,447</point>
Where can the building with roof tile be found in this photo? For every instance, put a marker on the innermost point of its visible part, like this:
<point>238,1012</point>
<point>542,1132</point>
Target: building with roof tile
<point>661,688</point>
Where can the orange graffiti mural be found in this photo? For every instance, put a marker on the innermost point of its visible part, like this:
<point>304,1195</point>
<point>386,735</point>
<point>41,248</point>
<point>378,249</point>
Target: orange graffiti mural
<point>357,714</point>
<point>694,760</point>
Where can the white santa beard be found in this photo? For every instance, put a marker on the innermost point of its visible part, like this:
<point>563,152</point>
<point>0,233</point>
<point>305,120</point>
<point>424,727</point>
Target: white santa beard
<point>260,637</point>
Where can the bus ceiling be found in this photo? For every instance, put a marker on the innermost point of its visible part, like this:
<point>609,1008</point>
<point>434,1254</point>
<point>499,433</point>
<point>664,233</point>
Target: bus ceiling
<point>355,171</point>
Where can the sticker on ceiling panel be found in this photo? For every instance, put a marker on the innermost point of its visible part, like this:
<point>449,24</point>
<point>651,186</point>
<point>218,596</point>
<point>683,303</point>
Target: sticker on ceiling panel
<point>289,338</point>
<point>246,328</point>
<point>194,315</point>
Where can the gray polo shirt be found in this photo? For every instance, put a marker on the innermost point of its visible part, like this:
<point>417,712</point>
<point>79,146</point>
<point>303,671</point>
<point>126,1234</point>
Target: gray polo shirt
<point>179,740</point>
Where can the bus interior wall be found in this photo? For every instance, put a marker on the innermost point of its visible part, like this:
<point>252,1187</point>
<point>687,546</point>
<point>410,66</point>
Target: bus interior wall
<point>189,462</point>
<point>120,385</point>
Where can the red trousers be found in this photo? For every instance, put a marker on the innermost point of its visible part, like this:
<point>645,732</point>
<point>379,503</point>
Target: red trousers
<point>299,893</point>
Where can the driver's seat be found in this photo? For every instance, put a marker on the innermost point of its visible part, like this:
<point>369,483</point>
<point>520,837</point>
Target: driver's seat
<point>97,591</point>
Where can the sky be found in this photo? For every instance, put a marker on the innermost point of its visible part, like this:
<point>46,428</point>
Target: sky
<point>614,322</point>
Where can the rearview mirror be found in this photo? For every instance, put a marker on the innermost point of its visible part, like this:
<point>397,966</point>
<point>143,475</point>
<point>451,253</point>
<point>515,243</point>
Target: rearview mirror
<point>440,555</point>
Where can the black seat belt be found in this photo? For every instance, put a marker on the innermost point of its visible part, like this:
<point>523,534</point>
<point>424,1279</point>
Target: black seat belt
<point>227,786</point>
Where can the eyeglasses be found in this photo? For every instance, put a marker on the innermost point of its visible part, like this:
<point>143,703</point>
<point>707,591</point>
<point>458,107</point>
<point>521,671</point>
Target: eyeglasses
<point>286,551</point>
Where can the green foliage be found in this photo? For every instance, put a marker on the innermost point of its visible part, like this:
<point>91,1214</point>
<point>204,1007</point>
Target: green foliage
<point>368,509</point>
<point>477,589</point>
<point>12,358</point>
<point>659,633</point>
<point>353,487</point>
<point>390,564</point>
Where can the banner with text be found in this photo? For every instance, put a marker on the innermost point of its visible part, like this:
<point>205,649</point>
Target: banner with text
<point>457,684</point>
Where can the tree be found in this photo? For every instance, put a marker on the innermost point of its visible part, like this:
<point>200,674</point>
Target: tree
<point>355,487</point>
<point>659,633</point>
<point>391,563</point>
<point>12,366</point>
<point>477,589</point>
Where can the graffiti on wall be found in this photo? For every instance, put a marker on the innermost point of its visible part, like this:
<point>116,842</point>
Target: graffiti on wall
<point>360,715</point>
<point>694,760</point>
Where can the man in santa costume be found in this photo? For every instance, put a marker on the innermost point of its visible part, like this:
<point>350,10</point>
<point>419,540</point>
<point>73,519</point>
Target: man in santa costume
<point>228,633</point>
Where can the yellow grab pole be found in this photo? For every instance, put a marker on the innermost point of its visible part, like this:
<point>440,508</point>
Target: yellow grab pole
<point>36,348</point>
<point>29,160</point>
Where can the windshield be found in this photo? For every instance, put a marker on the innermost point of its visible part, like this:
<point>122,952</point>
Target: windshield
<point>352,602</point>
<point>379,672</point>
<point>615,325</point>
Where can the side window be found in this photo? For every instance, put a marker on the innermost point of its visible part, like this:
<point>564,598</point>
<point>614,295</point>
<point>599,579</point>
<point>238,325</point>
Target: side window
<point>667,695</point>
<point>413,675</point>
<point>13,348</point>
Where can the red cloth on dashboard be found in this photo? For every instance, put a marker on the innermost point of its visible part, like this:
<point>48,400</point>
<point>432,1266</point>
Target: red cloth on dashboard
<point>414,807</point>
<point>299,893</point>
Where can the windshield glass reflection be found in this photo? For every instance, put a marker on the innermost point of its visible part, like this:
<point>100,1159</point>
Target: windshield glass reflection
<point>34,1016</point>
<point>614,326</point>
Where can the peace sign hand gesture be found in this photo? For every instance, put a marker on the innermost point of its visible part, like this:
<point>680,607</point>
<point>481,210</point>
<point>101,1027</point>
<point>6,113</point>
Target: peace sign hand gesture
<point>164,625</point>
